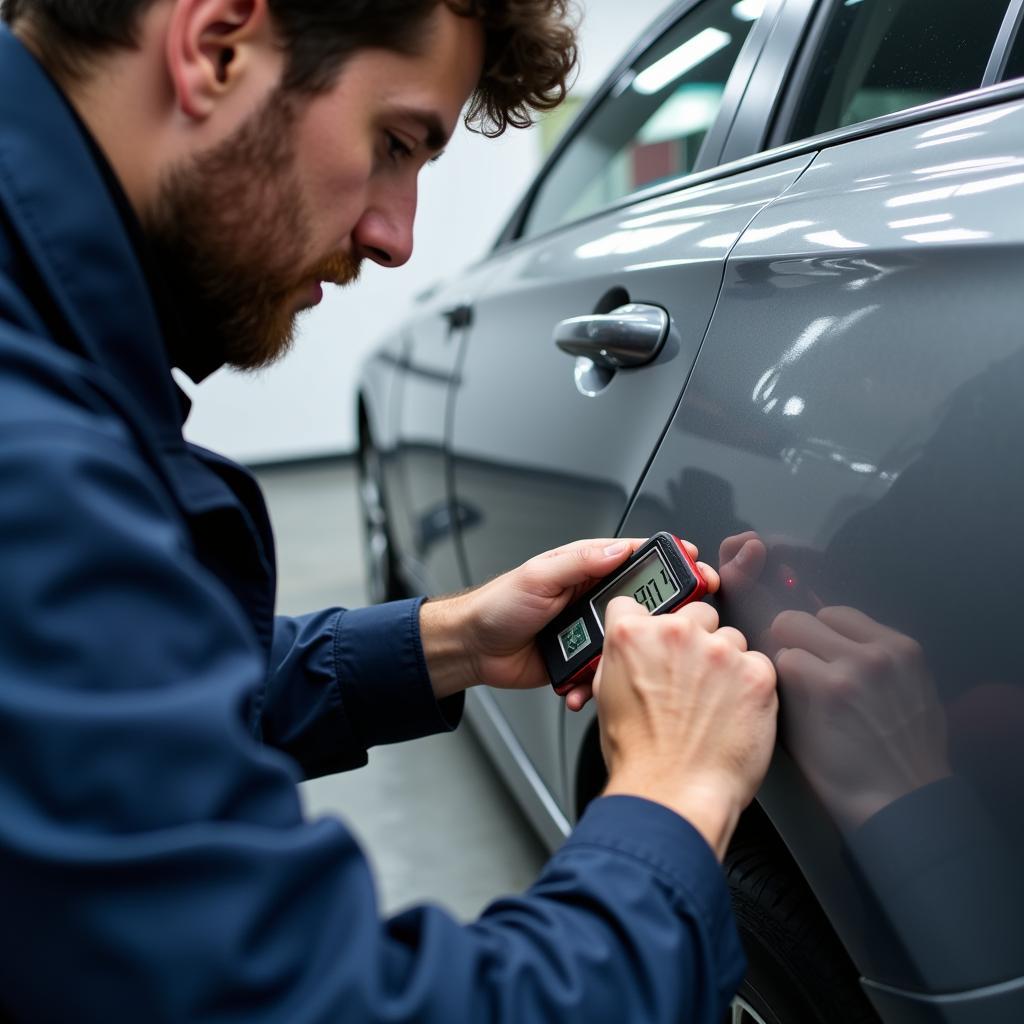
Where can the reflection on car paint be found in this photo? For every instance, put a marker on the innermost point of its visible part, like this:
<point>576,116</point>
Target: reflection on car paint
<point>892,495</point>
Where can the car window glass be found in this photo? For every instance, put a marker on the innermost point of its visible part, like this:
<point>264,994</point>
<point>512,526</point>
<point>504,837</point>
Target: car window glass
<point>879,56</point>
<point>1015,61</point>
<point>651,126</point>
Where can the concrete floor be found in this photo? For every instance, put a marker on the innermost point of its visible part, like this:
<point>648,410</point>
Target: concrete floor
<point>434,819</point>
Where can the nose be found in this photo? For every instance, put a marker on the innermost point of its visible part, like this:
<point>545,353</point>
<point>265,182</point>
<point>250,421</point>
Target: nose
<point>384,233</point>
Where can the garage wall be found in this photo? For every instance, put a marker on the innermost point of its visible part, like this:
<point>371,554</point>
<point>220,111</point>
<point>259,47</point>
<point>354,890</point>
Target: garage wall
<point>303,406</point>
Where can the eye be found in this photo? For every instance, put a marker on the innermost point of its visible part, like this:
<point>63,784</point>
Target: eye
<point>397,149</point>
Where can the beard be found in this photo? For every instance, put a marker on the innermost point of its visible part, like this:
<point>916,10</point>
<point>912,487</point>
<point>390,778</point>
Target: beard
<point>230,235</point>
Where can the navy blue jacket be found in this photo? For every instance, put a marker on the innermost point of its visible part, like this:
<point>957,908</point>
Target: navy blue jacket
<point>155,717</point>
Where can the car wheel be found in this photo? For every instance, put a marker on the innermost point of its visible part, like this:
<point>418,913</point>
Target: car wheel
<point>382,581</point>
<point>743,1013</point>
<point>798,972</point>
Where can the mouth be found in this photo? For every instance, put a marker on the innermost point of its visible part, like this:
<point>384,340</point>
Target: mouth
<point>309,297</point>
<point>341,270</point>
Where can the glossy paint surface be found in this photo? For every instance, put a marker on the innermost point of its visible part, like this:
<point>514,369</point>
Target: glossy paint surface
<point>858,405</point>
<point>539,456</point>
<point>844,379</point>
<point>425,519</point>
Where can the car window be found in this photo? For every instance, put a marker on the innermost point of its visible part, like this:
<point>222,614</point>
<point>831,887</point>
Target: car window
<point>652,124</point>
<point>879,56</point>
<point>1015,61</point>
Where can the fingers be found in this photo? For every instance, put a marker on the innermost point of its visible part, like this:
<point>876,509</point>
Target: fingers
<point>766,663</point>
<point>576,699</point>
<point>582,561</point>
<point>691,549</point>
<point>619,548</point>
<point>621,608</point>
<point>711,577</point>
<point>586,560</point>
<point>701,614</point>
<point>733,636</point>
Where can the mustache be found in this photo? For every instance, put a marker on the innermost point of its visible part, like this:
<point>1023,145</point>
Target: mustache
<point>341,269</point>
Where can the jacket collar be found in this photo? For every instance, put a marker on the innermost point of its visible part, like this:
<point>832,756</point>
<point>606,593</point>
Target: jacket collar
<point>54,193</point>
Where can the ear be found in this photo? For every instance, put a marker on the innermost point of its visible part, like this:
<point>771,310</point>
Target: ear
<point>211,46</point>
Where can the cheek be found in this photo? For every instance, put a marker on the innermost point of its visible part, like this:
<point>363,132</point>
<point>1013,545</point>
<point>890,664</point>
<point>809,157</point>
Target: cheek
<point>336,200</point>
<point>335,169</point>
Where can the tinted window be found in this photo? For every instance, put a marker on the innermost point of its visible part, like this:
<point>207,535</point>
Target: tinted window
<point>652,124</point>
<point>880,56</point>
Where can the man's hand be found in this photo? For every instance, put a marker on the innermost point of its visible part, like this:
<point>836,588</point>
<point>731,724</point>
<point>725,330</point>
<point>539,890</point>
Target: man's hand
<point>487,635</point>
<point>687,714</point>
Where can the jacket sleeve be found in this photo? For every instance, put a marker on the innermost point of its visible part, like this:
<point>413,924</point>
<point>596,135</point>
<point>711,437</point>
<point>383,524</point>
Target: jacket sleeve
<point>154,862</point>
<point>342,681</point>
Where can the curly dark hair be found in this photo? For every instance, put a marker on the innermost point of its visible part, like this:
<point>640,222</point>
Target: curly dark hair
<point>530,49</point>
<point>530,54</point>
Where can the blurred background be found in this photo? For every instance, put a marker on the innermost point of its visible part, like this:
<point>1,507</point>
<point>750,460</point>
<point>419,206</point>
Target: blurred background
<point>303,407</point>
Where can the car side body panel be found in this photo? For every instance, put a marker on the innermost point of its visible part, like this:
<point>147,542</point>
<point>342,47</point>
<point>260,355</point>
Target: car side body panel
<point>522,487</point>
<point>427,521</point>
<point>858,404</point>
<point>847,345</point>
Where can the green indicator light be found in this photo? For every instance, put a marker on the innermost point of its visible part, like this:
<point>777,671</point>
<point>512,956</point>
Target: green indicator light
<point>573,639</point>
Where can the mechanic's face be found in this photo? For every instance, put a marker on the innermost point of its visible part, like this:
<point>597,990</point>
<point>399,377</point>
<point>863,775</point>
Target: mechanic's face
<point>307,188</point>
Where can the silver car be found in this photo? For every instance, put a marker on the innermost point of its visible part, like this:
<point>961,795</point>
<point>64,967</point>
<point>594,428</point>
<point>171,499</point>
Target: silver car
<point>768,294</point>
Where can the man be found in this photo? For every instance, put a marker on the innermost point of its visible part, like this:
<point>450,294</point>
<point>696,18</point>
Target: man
<point>178,178</point>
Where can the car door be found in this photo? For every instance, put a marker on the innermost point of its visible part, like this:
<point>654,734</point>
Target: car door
<point>868,432</point>
<point>424,518</point>
<point>547,446</point>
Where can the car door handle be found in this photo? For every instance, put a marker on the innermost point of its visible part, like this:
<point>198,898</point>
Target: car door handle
<point>628,336</point>
<point>459,316</point>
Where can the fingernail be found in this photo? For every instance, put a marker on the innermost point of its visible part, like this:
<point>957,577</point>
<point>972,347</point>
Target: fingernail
<point>614,549</point>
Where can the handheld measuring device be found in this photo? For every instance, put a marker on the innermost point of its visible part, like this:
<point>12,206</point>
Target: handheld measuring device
<point>660,575</point>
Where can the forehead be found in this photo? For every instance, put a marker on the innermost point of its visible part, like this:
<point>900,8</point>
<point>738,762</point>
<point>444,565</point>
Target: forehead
<point>439,78</point>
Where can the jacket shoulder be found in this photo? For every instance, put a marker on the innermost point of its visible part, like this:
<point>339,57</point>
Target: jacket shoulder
<point>42,384</point>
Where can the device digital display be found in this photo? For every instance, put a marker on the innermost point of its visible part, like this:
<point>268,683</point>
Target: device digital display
<point>650,582</point>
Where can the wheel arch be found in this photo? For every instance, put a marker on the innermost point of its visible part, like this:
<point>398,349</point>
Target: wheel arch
<point>755,831</point>
<point>755,828</point>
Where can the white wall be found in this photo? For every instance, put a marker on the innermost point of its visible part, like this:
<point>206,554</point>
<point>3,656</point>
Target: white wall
<point>303,406</point>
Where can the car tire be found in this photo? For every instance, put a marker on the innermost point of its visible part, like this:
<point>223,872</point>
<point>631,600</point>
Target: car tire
<point>797,973</point>
<point>382,579</point>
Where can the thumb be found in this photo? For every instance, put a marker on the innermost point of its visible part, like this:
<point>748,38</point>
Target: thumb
<point>584,561</point>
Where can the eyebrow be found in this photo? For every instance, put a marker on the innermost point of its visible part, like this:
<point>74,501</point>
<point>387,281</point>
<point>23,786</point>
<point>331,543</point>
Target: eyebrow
<point>437,138</point>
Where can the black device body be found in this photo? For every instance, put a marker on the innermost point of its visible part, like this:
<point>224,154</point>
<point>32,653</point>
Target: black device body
<point>660,574</point>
